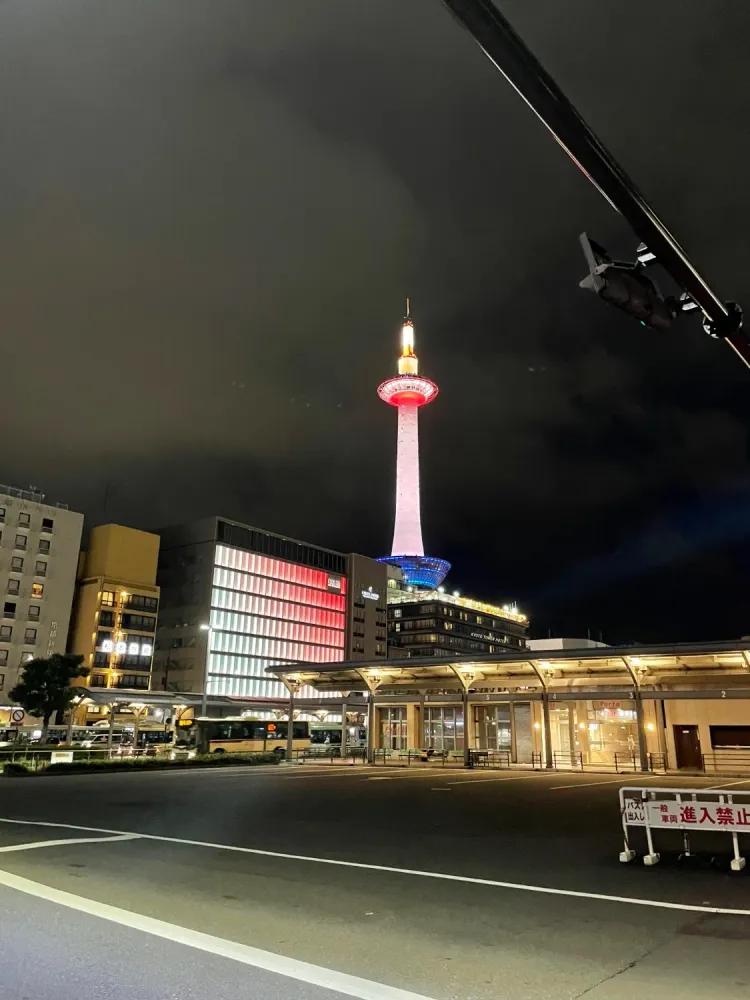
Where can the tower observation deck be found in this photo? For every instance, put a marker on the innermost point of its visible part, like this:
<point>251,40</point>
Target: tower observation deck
<point>407,391</point>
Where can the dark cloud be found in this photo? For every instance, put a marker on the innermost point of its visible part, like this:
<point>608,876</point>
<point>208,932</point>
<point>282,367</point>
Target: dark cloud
<point>212,213</point>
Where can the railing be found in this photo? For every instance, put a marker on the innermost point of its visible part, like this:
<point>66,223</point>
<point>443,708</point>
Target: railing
<point>568,760</point>
<point>330,754</point>
<point>489,758</point>
<point>733,760</point>
<point>658,762</point>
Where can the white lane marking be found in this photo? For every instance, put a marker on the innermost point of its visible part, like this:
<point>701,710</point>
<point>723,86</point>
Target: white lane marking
<point>292,968</point>
<point>483,781</point>
<point>625,779</point>
<point>442,876</point>
<point>729,784</point>
<point>65,843</point>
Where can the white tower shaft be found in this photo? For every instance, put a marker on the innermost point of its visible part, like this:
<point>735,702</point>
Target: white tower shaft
<point>407,531</point>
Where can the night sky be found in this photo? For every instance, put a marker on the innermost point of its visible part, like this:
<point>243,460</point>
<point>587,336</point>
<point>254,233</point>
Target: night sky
<point>213,210</point>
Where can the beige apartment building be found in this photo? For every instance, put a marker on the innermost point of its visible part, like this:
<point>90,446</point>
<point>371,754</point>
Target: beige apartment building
<point>39,546</point>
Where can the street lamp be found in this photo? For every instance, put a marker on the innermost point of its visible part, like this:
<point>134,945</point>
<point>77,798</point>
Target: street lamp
<point>206,628</point>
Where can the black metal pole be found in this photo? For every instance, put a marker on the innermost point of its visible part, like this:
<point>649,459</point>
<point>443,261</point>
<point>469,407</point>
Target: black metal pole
<point>530,80</point>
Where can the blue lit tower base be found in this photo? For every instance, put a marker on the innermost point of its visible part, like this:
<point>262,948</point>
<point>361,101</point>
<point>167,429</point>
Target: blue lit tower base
<point>420,571</point>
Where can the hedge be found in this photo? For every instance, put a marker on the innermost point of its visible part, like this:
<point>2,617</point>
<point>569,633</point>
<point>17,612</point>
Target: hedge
<point>147,764</point>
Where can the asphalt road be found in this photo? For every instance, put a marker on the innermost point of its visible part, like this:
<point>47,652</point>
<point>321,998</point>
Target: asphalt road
<point>203,901</point>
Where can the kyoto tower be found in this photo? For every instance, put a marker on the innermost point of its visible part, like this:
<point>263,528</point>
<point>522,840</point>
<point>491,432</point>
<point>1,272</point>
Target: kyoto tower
<point>408,391</point>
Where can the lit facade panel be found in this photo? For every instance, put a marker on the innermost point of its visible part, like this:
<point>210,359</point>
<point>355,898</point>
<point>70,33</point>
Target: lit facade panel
<point>231,621</point>
<point>233,600</point>
<point>281,649</point>
<point>254,687</point>
<point>278,569</point>
<point>278,589</point>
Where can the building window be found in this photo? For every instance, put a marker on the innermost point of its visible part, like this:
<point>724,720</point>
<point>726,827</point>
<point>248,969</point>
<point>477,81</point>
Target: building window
<point>34,612</point>
<point>2,681</point>
<point>107,618</point>
<point>3,657</point>
<point>2,513</point>
<point>108,599</point>
<point>9,610</point>
<point>13,585</point>
<point>40,568</point>
<point>175,644</point>
<point>132,681</point>
<point>140,603</point>
<point>16,564</point>
<point>24,520</point>
<point>397,612</point>
<point>144,623</point>
<point>101,659</point>
<point>98,680</point>
<point>37,589</point>
<point>20,542</point>
<point>47,524</point>
<point>44,545</point>
<point>6,633</point>
<point>29,636</point>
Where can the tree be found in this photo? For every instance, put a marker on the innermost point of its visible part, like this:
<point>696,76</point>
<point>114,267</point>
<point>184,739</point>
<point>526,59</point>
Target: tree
<point>45,686</point>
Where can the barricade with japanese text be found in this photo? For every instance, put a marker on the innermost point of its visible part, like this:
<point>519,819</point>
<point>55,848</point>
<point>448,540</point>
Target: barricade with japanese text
<point>687,810</point>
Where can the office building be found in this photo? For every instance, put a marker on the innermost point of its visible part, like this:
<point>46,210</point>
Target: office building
<point>116,607</point>
<point>434,623</point>
<point>39,545</point>
<point>408,391</point>
<point>237,599</point>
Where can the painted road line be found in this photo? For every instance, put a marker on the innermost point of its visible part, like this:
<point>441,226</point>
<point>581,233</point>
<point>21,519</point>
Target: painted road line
<point>66,843</point>
<point>506,777</point>
<point>291,968</point>
<point>729,784</point>
<point>623,779</point>
<point>389,869</point>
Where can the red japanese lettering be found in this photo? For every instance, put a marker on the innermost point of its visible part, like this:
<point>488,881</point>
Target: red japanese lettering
<point>688,814</point>
<point>664,807</point>
<point>725,816</point>
<point>706,816</point>
<point>743,817</point>
<point>664,818</point>
<point>672,819</point>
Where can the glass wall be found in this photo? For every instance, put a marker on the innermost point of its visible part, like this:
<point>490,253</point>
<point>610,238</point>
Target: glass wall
<point>443,727</point>
<point>393,735</point>
<point>492,727</point>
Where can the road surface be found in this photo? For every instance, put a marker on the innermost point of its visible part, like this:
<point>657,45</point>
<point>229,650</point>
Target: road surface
<point>325,881</point>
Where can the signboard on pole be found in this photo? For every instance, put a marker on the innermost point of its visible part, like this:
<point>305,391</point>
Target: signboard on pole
<point>724,816</point>
<point>17,716</point>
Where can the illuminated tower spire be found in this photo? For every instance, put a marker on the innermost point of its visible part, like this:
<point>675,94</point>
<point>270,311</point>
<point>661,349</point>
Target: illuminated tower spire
<point>408,391</point>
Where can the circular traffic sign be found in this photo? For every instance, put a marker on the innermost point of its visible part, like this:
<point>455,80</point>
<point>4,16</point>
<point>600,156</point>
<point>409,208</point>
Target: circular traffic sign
<point>17,715</point>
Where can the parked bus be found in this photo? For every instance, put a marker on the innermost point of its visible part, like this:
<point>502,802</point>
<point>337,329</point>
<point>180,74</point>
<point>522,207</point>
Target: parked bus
<point>248,735</point>
<point>329,734</point>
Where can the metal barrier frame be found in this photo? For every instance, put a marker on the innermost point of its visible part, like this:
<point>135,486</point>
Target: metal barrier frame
<point>637,814</point>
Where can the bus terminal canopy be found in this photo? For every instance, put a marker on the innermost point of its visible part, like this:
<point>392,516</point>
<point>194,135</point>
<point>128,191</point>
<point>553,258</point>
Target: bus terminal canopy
<point>709,670</point>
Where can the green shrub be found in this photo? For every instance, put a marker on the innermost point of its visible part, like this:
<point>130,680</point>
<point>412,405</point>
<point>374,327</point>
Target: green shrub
<point>13,770</point>
<point>161,763</point>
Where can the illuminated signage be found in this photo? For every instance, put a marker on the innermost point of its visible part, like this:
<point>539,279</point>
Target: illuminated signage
<point>334,583</point>
<point>126,648</point>
<point>184,723</point>
<point>271,727</point>
<point>370,594</point>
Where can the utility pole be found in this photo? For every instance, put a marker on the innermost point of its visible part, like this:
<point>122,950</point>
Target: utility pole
<point>506,50</point>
